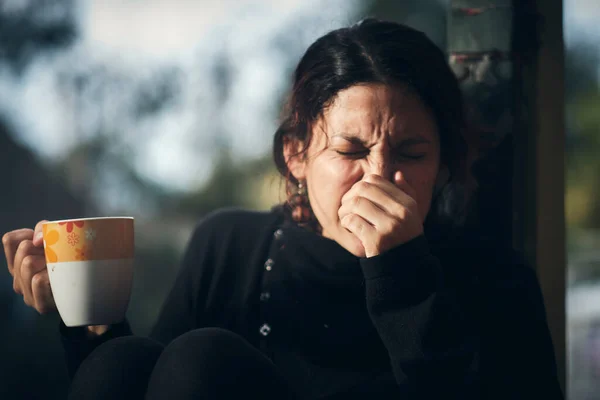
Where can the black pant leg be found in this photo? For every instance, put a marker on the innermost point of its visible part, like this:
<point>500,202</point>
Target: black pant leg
<point>213,363</point>
<point>117,369</point>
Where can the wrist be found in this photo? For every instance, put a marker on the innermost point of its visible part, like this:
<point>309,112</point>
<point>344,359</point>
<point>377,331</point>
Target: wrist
<point>398,261</point>
<point>96,330</point>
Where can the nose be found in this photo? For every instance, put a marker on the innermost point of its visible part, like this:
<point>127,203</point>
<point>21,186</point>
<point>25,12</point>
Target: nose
<point>384,167</point>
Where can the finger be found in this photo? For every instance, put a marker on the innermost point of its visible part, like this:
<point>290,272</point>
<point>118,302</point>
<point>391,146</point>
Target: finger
<point>395,205</point>
<point>38,236</point>
<point>11,241</point>
<point>42,293</point>
<point>369,211</point>
<point>399,188</point>
<point>31,265</point>
<point>24,249</point>
<point>361,228</point>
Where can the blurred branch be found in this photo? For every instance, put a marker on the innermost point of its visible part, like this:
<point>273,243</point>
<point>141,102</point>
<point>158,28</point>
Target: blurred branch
<point>34,27</point>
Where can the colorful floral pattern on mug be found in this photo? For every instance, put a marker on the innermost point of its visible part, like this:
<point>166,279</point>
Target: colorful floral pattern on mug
<point>88,239</point>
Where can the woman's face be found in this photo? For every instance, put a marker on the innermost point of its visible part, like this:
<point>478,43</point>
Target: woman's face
<point>368,129</point>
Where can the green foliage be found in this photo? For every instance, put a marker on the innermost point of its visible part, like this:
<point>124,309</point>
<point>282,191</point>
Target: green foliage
<point>234,184</point>
<point>583,163</point>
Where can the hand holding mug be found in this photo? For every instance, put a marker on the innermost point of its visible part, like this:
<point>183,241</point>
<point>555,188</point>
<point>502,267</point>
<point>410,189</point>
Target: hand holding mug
<point>82,267</point>
<point>90,268</point>
<point>24,253</point>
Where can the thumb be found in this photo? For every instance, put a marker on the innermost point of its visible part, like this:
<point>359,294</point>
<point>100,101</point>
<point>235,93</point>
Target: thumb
<point>38,236</point>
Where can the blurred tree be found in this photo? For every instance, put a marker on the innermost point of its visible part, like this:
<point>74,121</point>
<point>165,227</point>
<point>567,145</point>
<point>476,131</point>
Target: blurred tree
<point>29,192</point>
<point>581,62</point>
<point>428,16</point>
<point>583,164</point>
<point>253,184</point>
<point>29,27</point>
<point>583,129</point>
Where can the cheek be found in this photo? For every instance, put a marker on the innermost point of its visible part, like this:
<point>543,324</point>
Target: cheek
<point>331,179</point>
<point>422,181</point>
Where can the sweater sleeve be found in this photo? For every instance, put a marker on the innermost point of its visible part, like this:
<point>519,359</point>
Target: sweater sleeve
<point>440,348</point>
<point>180,312</point>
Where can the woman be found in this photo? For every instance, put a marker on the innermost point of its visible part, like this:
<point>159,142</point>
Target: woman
<point>363,285</point>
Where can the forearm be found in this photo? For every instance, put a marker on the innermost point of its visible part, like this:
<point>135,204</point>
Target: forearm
<point>428,336</point>
<point>476,327</point>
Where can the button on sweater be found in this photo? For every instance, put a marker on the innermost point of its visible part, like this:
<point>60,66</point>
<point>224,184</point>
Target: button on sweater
<point>458,319</point>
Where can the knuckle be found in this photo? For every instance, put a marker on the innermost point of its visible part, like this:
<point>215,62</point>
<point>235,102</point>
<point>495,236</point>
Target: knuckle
<point>399,210</point>
<point>402,213</point>
<point>362,186</point>
<point>350,219</point>
<point>7,239</point>
<point>28,265</point>
<point>38,281</point>
<point>38,226</point>
<point>17,287</point>
<point>390,227</point>
<point>26,246</point>
<point>360,226</point>
<point>43,309</point>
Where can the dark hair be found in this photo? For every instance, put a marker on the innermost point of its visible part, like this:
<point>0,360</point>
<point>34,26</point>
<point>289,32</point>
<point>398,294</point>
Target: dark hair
<point>374,51</point>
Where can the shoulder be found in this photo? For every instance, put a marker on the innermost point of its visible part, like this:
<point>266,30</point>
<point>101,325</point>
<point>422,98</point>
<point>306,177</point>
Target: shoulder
<point>225,224</point>
<point>493,265</point>
<point>505,265</point>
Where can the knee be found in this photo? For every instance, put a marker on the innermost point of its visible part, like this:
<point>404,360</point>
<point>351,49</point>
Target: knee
<point>124,351</point>
<point>209,361</point>
<point>118,368</point>
<point>208,345</point>
<point>209,353</point>
<point>206,351</point>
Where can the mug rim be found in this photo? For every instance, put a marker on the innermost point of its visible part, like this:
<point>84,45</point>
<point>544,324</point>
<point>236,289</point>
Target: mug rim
<point>86,219</point>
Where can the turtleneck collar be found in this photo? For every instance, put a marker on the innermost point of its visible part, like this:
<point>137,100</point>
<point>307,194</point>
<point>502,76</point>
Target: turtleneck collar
<point>320,258</point>
<point>333,261</point>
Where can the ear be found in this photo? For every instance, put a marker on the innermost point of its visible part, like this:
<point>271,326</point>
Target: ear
<point>443,177</point>
<point>295,158</point>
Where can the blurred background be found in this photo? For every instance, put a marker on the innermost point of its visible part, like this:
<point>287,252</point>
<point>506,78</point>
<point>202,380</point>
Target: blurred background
<point>164,110</point>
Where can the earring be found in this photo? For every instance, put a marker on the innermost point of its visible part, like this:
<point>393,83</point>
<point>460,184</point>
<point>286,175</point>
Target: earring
<point>298,202</point>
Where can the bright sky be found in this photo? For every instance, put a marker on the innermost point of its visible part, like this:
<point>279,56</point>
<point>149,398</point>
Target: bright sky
<point>581,19</point>
<point>165,27</point>
<point>135,38</point>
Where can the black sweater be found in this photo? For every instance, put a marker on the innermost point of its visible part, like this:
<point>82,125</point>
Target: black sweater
<point>461,320</point>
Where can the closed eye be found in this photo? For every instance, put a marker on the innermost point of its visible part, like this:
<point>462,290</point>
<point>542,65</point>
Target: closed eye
<point>363,153</point>
<point>353,154</point>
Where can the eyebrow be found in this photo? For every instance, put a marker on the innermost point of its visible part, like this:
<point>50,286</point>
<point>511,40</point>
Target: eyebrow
<point>351,138</point>
<point>411,141</point>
